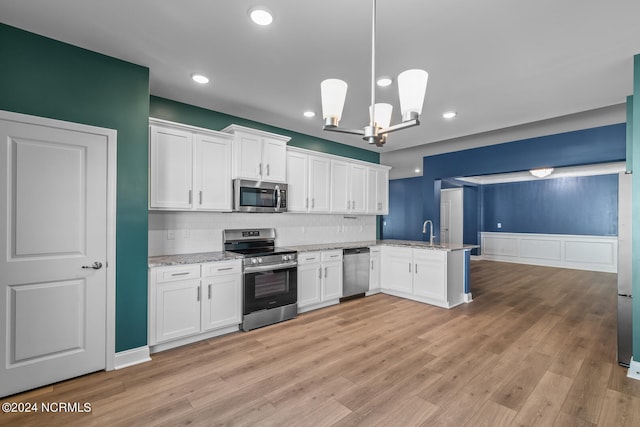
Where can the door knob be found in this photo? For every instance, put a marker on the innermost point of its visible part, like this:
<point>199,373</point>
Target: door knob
<point>96,266</point>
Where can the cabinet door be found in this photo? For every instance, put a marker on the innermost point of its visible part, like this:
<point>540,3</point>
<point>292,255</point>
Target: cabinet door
<point>213,173</point>
<point>309,289</point>
<point>248,156</point>
<point>340,193</point>
<point>397,269</point>
<point>274,160</point>
<point>372,190</point>
<point>382,192</point>
<point>319,184</point>
<point>374,271</point>
<point>332,280</point>
<point>221,301</point>
<point>430,273</point>
<point>171,168</point>
<point>297,180</point>
<point>177,309</point>
<point>358,181</point>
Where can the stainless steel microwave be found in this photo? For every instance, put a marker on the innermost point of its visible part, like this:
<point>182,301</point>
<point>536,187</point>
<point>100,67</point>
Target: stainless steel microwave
<point>259,196</point>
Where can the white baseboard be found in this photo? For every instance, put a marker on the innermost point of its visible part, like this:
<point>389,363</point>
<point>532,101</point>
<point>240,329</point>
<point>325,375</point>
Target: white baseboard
<point>193,338</point>
<point>634,370</point>
<point>468,298</point>
<point>132,357</point>
<point>592,253</point>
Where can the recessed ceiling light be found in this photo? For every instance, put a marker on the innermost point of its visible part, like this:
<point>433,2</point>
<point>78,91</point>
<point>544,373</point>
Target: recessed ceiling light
<point>417,170</point>
<point>309,114</point>
<point>449,114</point>
<point>199,78</point>
<point>260,15</point>
<point>384,81</point>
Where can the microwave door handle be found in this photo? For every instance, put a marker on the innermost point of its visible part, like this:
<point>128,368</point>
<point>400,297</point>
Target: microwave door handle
<point>278,197</point>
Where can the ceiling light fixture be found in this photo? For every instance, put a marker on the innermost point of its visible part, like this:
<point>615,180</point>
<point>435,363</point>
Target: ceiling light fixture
<point>449,114</point>
<point>412,85</point>
<point>309,114</point>
<point>260,16</point>
<point>541,173</point>
<point>384,81</point>
<point>199,78</point>
<point>417,170</point>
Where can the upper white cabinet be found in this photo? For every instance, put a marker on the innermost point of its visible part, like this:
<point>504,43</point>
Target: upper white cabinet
<point>258,155</point>
<point>349,186</point>
<point>377,190</point>
<point>190,168</point>
<point>309,180</point>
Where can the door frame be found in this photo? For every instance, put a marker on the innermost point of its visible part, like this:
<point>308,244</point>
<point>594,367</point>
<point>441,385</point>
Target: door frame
<point>112,142</point>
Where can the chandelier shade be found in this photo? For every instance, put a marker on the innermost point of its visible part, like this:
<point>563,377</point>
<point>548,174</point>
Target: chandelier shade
<point>382,114</point>
<point>412,85</point>
<point>333,93</point>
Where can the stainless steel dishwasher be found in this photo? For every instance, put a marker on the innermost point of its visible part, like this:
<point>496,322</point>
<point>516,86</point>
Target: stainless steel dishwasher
<point>355,276</point>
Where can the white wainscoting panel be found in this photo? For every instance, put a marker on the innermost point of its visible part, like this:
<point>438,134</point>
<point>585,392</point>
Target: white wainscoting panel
<point>594,253</point>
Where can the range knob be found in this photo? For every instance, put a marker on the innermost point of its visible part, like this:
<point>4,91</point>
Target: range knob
<point>285,258</point>
<point>289,257</point>
<point>254,261</point>
<point>259,260</point>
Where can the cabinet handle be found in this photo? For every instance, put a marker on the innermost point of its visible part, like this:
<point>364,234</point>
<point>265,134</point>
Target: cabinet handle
<point>209,291</point>
<point>225,269</point>
<point>416,269</point>
<point>372,264</point>
<point>198,296</point>
<point>200,197</point>
<point>179,274</point>
<point>306,203</point>
<point>260,169</point>
<point>348,204</point>
<point>409,267</point>
<point>267,169</point>
<point>190,196</point>
<point>325,272</point>
<point>353,204</point>
<point>313,202</point>
<point>320,273</point>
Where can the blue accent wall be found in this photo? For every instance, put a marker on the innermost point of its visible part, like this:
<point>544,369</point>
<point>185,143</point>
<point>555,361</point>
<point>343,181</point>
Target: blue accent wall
<point>586,205</point>
<point>404,221</point>
<point>589,146</point>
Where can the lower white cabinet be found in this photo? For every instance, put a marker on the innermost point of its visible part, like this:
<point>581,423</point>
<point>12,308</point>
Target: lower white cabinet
<point>375,262</point>
<point>426,275</point>
<point>319,279</point>
<point>192,302</point>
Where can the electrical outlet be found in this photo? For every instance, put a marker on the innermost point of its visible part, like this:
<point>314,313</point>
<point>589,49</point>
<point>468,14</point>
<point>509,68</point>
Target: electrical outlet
<point>499,225</point>
<point>186,233</point>
<point>171,234</point>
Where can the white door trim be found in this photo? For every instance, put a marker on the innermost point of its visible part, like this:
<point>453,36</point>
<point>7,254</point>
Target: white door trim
<point>111,135</point>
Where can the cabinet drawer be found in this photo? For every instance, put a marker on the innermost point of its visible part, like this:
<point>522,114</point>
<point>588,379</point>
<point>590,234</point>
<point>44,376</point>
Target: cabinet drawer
<point>175,273</point>
<point>332,255</point>
<point>431,254</point>
<point>308,257</point>
<point>375,249</point>
<point>217,268</point>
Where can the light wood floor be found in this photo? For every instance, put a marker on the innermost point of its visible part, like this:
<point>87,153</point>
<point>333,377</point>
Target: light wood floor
<point>537,346</point>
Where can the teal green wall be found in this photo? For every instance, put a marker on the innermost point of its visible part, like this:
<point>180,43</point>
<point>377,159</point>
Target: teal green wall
<point>44,77</point>
<point>634,146</point>
<point>161,108</point>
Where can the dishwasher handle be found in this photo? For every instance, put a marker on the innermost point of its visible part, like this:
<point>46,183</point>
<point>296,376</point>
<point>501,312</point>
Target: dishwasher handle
<point>355,251</point>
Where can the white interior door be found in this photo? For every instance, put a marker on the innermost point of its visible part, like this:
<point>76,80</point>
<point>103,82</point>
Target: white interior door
<point>451,216</point>
<point>53,293</point>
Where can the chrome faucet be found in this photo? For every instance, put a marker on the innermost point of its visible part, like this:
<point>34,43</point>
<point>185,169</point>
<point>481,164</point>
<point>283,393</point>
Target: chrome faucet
<point>424,230</point>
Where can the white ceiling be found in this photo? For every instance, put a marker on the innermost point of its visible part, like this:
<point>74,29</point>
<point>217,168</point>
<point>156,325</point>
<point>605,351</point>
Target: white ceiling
<point>498,63</point>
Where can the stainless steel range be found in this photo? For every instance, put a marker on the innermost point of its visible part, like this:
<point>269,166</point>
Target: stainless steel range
<point>270,288</point>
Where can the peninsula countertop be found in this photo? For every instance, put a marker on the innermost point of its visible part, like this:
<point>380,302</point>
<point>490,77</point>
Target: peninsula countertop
<point>448,247</point>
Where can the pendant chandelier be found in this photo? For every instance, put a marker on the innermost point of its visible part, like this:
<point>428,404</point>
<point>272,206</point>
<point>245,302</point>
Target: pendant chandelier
<point>412,85</point>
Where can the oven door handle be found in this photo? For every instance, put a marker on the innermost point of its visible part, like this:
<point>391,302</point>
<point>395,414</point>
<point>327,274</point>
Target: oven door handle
<point>261,268</point>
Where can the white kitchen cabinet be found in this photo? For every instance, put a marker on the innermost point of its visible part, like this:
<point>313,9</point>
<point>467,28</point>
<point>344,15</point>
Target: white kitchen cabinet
<point>374,270</point>
<point>171,168</point>
<point>221,295</point>
<point>319,279</point>
<point>309,182</point>
<point>258,155</point>
<point>426,275</point>
<point>348,187</point>
<point>189,168</point>
<point>191,302</point>
<point>377,190</point>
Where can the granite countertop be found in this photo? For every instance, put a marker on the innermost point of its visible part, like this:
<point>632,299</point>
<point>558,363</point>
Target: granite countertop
<point>197,258</point>
<point>389,242</point>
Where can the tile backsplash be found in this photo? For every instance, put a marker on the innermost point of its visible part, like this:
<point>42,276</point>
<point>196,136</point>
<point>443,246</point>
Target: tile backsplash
<point>189,232</point>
